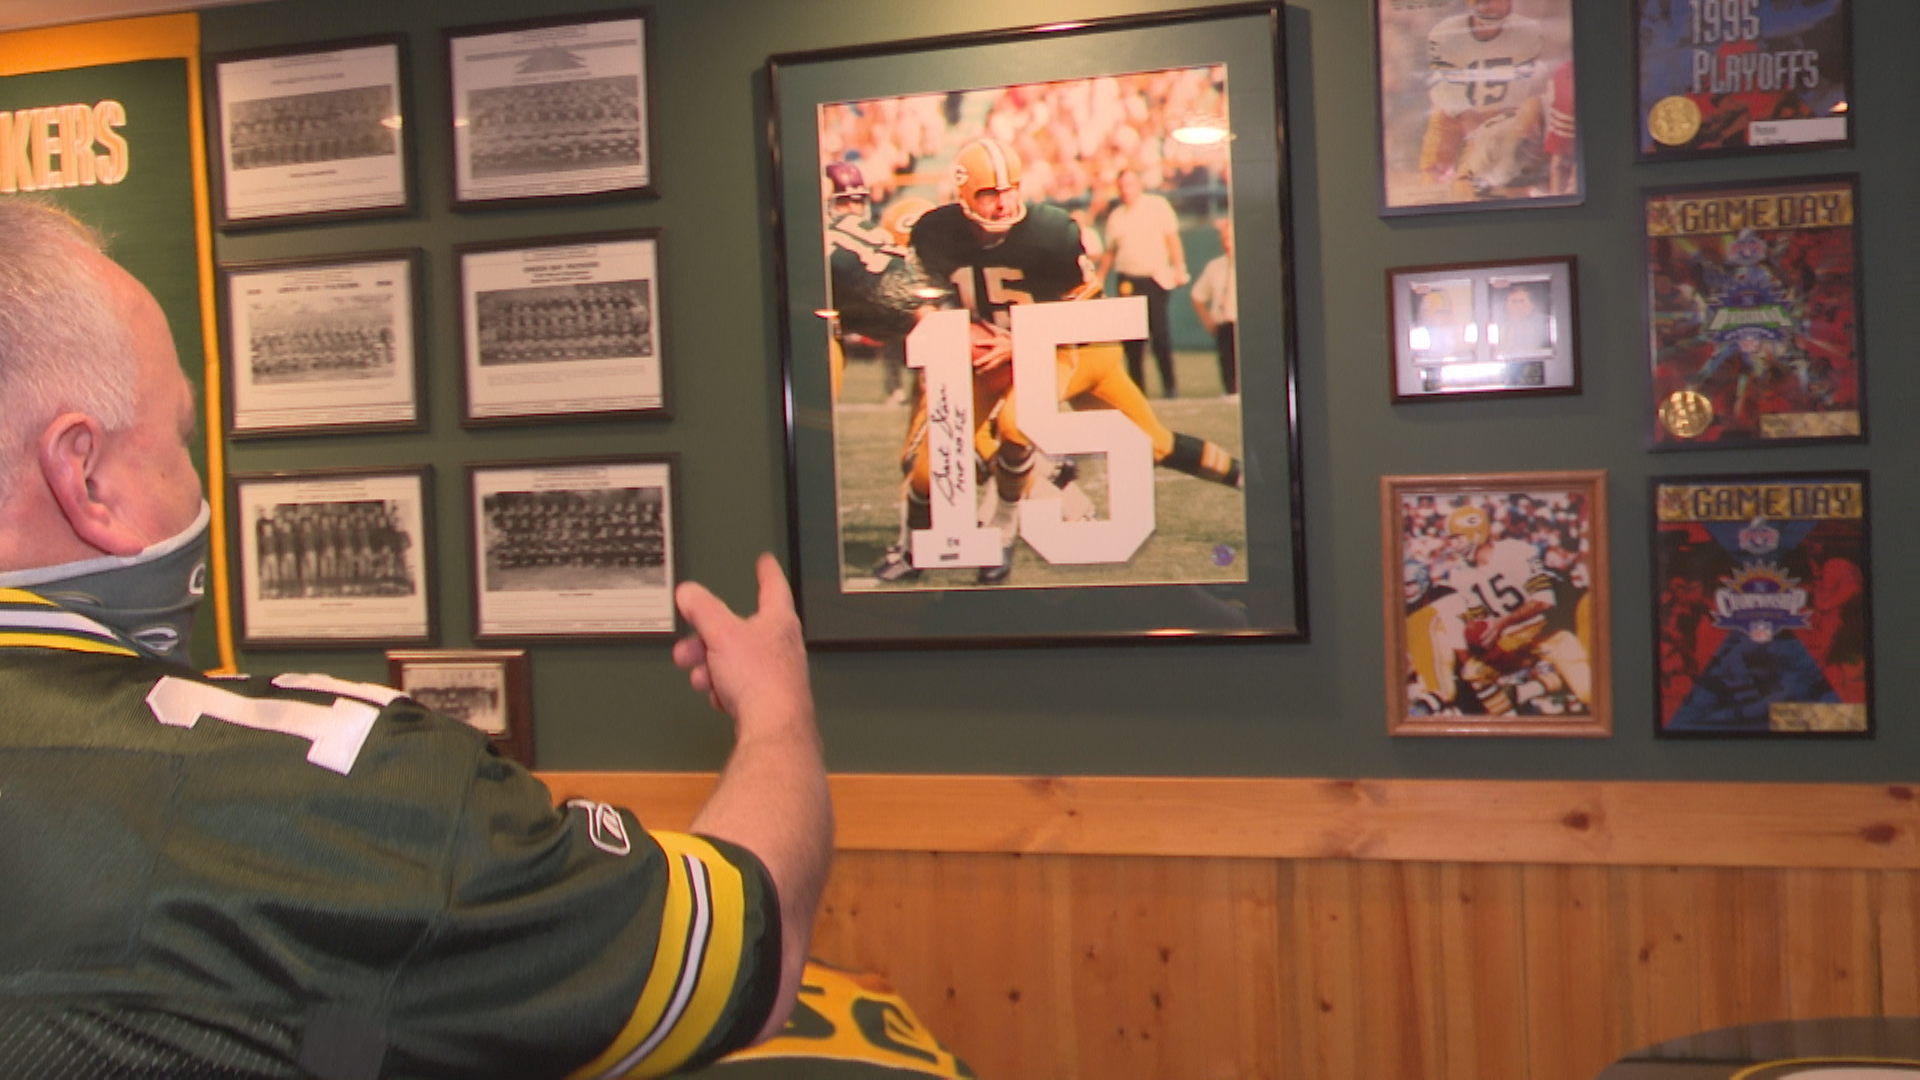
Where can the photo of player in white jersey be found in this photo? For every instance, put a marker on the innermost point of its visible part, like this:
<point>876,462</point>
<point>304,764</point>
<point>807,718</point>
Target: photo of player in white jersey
<point>1476,103</point>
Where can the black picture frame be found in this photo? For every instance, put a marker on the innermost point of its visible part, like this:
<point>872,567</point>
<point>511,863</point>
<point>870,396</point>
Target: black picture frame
<point>583,311</point>
<point>520,134</point>
<point>1762,607</point>
<point>1696,91</point>
<point>334,558</point>
<point>324,345</point>
<point>1248,587</point>
<point>489,689</point>
<point>1756,323</point>
<point>323,132</point>
<point>1506,327</point>
<point>562,551</point>
<point>1469,122</point>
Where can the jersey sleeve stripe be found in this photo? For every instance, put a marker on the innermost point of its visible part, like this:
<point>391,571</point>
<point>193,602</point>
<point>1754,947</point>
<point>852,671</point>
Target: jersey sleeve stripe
<point>695,968</point>
<point>71,644</point>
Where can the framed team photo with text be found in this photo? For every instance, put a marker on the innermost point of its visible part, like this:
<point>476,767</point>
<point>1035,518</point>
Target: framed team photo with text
<point>1476,105</point>
<point>561,327</point>
<point>1755,322</point>
<point>311,132</point>
<point>323,345</point>
<point>1762,590</point>
<point>1495,594</point>
<point>490,690</point>
<point>334,557</point>
<point>552,109</point>
<point>1473,329</point>
<point>1719,78</point>
<point>576,550</point>
<point>1047,216</point>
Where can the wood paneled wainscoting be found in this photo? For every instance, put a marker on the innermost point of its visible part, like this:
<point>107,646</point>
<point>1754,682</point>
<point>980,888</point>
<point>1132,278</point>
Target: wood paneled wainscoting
<point>1107,928</point>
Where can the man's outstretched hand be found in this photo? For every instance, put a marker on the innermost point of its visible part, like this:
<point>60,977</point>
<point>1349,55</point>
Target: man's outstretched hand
<point>755,668</point>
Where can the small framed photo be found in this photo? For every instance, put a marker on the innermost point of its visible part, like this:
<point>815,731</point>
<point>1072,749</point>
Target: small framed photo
<point>1742,77</point>
<point>1754,317</point>
<point>551,109</point>
<point>1471,329</point>
<point>1476,105</point>
<point>577,550</point>
<point>489,689</point>
<point>1495,591</point>
<point>311,132</point>
<point>334,557</point>
<point>323,345</point>
<point>568,326</point>
<point>1762,605</point>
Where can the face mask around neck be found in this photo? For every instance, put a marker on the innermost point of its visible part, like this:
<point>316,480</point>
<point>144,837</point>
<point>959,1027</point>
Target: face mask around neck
<point>149,598</point>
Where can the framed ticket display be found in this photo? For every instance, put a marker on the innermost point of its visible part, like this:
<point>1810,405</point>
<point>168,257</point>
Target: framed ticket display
<point>1754,327</point>
<point>1099,514</point>
<point>550,109</point>
<point>313,132</point>
<point>1762,615</point>
<point>564,326</point>
<point>1721,77</point>
<point>490,690</point>
<point>1476,105</point>
<point>1495,592</point>
<point>573,549</point>
<point>334,557</point>
<point>319,345</point>
<point>1470,329</point>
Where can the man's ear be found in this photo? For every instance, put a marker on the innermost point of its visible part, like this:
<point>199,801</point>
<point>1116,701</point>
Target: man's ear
<point>71,450</point>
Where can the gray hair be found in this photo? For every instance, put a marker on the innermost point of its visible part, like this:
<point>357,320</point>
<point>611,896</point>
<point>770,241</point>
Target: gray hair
<point>63,346</point>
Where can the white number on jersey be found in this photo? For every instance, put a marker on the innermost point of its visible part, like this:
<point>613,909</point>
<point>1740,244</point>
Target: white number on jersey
<point>336,731</point>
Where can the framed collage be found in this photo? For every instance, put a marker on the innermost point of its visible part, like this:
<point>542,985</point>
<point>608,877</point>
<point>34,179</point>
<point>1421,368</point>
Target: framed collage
<point>1471,329</point>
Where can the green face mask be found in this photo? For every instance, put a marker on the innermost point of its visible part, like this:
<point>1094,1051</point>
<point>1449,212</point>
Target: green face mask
<point>149,598</point>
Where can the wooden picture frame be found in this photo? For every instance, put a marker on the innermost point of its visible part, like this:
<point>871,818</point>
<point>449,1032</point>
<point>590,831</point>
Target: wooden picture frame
<point>552,109</point>
<point>1762,605</point>
<point>490,690</point>
<point>324,345</point>
<point>1174,557</point>
<point>574,550</point>
<point>307,133</point>
<point>1736,79</point>
<point>1495,600</point>
<point>565,326</point>
<point>334,557</point>
<point>1476,113</point>
<point>1506,328</point>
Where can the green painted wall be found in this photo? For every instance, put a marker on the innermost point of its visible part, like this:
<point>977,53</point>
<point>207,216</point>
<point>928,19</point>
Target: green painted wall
<point>1241,709</point>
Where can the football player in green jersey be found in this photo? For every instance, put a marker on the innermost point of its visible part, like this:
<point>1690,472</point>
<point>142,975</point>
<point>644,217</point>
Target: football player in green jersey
<point>307,877</point>
<point>987,251</point>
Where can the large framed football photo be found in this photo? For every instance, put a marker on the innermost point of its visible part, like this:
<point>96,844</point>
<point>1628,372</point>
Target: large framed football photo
<point>1495,593</point>
<point>981,239</point>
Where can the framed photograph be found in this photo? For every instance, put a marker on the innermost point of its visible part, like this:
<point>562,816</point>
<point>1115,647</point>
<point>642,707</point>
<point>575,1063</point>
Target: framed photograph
<point>1476,105</point>
<point>573,549</point>
<point>1755,321</point>
<point>311,132</point>
<point>1495,590</point>
<point>1761,603</point>
<point>323,345</point>
<point>918,290</point>
<point>551,109</point>
<point>1472,329</point>
<point>488,689</point>
<point>568,326</point>
<point>1725,77</point>
<point>334,557</point>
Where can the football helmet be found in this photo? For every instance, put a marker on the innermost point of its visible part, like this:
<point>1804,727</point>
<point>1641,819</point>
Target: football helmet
<point>1490,11</point>
<point>989,165</point>
<point>1469,529</point>
<point>900,217</point>
<point>846,181</point>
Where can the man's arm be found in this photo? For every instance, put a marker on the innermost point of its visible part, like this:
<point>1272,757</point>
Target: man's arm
<point>772,794</point>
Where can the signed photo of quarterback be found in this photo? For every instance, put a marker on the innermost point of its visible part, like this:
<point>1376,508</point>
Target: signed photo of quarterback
<point>1495,591</point>
<point>1476,105</point>
<point>1022,320</point>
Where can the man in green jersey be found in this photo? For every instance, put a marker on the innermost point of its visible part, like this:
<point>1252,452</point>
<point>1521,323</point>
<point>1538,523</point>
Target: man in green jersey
<point>307,877</point>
